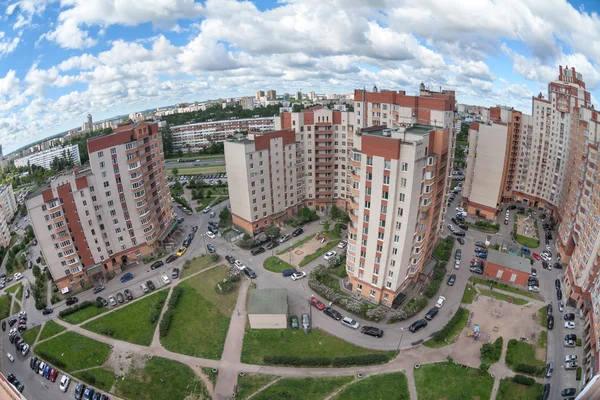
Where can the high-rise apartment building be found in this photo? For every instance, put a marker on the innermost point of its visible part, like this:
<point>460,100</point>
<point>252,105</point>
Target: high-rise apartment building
<point>271,95</point>
<point>8,208</point>
<point>45,158</point>
<point>392,178</point>
<point>259,94</point>
<point>93,219</point>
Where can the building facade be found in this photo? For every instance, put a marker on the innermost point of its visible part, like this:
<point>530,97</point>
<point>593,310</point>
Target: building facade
<point>192,138</point>
<point>92,220</point>
<point>507,267</point>
<point>8,208</point>
<point>44,158</point>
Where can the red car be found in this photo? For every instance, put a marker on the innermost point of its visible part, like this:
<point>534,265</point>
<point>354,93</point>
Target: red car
<point>536,255</point>
<point>316,303</point>
<point>53,375</point>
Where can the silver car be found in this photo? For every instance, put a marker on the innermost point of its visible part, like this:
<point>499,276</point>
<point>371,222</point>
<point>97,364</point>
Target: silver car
<point>305,321</point>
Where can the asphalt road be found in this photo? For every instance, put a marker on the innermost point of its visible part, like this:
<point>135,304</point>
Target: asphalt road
<point>175,164</point>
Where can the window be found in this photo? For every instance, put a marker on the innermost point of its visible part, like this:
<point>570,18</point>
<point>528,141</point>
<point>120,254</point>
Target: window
<point>380,235</point>
<point>100,154</point>
<point>387,164</point>
<point>404,167</point>
<point>400,211</point>
<point>367,204</point>
<point>401,197</point>
<point>384,209</point>
<point>382,223</point>
<point>369,160</point>
<point>384,194</point>
<point>396,238</point>
<point>402,182</point>
<point>386,180</point>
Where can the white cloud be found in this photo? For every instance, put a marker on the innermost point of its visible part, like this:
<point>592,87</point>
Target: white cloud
<point>7,45</point>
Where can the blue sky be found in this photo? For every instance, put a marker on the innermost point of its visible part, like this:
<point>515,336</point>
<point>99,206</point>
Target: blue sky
<point>60,60</point>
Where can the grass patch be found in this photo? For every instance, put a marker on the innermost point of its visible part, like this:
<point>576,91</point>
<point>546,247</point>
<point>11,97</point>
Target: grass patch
<point>13,288</point>
<point>74,351</point>
<point>276,264</point>
<point>454,184</point>
<point>302,388</point>
<point>250,383</point>
<point>543,339</point>
<point>455,326</point>
<point>297,244</point>
<point>484,226</point>
<point>311,257</point>
<point>384,386</point>
<point>527,241</point>
<point>196,264</point>
<point>490,353</point>
<point>148,382</point>
<point>16,307</point>
<point>443,250</point>
<point>4,306</point>
<point>132,323</point>
<point>203,203</point>
<point>259,343</point>
<point>212,376</point>
<point>519,352</point>
<point>84,314</point>
<point>543,312</point>
<point>339,271</point>
<point>19,294</point>
<point>332,283</point>
<point>506,288</point>
<point>502,296</point>
<point>197,328</point>
<point>51,328</point>
<point>449,381</point>
<point>30,334</point>
<point>197,157</point>
<point>209,169</point>
<point>469,295</point>
<point>98,377</point>
<point>510,390</point>
<point>205,283</point>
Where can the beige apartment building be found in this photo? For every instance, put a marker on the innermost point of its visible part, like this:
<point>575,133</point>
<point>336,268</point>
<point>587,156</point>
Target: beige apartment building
<point>94,219</point>
<point>8,208</point>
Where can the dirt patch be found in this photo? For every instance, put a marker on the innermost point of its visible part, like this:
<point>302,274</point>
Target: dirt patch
<point>123,362</point>
<point>526,226</point>
<point>209,386</point>
<point>296,255</point>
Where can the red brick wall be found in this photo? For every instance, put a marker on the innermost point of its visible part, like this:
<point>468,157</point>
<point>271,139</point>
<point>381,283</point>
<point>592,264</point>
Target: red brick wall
<point>491,271</point>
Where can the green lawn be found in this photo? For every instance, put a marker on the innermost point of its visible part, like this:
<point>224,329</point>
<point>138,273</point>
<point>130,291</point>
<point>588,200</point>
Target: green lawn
<point>448,381</point>
<point>51,328</point>
<point>212,376</point>
<point>19,294</point>
<point>527,241</point>
<point>203,203</point>
<point>202,157</point>
<point>75,351</point>
<point>519,352</point>
<point>84,314</point>
<point>453,184</point>
<point>16,307</point>
<point>13,288</point>
<point>297,244</point>
<point>275,264</point>
<point>311,257</point>
<point>196,264</point>
<point>148,383</point>
<point>543,339</point>
<point>469,295</point>
<point>385,386</point>
<point>339,271</point>
<point>302,388</point>
<point>30,334</point>
<point>452,335</point>
<point>502,296</point>
<point>543,313</point>
<point>98,377</point>
<point>208,169</point>
<point>4,306</point>
<point>510,390</point>
<point>132,322</point>
<point>250,383</point>
<point>197,328</point>
<point>259,343</point>
<point>205,284</point>
<point>507,288</point>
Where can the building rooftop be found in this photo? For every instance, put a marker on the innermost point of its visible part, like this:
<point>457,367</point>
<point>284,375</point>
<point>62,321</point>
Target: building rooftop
<point>78,171</point>
<point>384,131</point>
<point>508,260</point>
<point>268,301</point>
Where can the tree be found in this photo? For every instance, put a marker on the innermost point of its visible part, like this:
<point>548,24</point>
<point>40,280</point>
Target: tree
<point>459,153</point>
<point>273,231</point>
<point>175,171</point>
<point>326,226</point>
<point>167,138</point>
<point>335,212</point>
<point>225,216</point>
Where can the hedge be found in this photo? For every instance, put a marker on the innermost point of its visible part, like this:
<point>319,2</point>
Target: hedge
<point>441,335</point>
<point>51,359</point>
<point>526,368</point>
<point>490,352</point>
<point>432,289</point>
<point>77,307</point>
<point>578,374</point>
<point>523,380</point>
<point>165,322</point>
<point>365,359</point>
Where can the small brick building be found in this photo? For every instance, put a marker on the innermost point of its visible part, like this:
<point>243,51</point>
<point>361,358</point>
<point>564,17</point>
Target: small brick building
<point>507,267</point>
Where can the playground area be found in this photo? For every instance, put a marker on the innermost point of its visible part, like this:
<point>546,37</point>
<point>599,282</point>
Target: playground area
<point>526,226</point>
<point>491,318</point>
<point>297,254</point>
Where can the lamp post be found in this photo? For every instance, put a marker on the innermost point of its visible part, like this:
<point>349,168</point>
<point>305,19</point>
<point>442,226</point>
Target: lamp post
<point>290,254</point>
<point>400,341</point>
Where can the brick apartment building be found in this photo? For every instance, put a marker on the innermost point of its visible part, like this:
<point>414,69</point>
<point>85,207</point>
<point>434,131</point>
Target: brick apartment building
<point>8,208</point>
<point>93,219</point>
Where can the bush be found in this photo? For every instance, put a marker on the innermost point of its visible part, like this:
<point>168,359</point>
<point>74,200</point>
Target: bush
<point>526,368</point>
<point>578,342</point>
<point>106,330</point>
<point>365,359</point>
<point>432,289</point>
<point>89,378</point>
<point>51,360</point>
<point>441,335</point>
<point>412,308</point>
<point>523,380</point>
<point>228,285</point>
<point>174,299</point>
<point>490,352</point>
<point>165,322</point>
<point>443,251</point>
<point>77,307</point>
<point>578,374</point>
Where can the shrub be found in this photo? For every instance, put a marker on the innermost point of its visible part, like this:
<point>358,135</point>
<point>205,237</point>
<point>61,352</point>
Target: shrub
<point>578,342</point>
<point>443,250</point>
<point>578,374</point>
<point>51,360</point>
<point>441,334</point>
<point>77,307</point>
<point>106,330</point>
<point>174,299</point>
<point>523,380</point>
<point>526,368</point>
<point>491,352</point>
<point>215,257</point>
<point>365,359</point>
<point>412,308</point>
<point>165,322</point>
<point>89,378</point>
<point>432,289</point>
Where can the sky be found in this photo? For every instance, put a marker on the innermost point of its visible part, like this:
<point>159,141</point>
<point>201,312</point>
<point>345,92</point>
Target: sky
<point>63,59</point>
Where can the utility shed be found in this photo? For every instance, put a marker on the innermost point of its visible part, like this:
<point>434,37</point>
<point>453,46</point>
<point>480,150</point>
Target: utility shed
<point>507,267</point>
<point>268,309</point>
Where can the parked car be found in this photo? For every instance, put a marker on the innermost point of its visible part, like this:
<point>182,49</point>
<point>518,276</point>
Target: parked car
<point>297,232</point>
<point>211,248</point>
<point>305,321</point>
<point>112,301</point>
<point>175,273</point>
<point>568,392</point>
<point>157,264</point>
<point>102,301</point>
<point>127,277</point>
<point>64,383</point>
<point>569,325</point>
<point>329,255</point>
<point>297,275</point>
<point>120,297</point>
<point>330,312</point>
<point>171,258</point>
<point>206,210</point>
<point>98,289</point>
<point>417,325</point>
<point>535,255</point>
<point>371,331</point>
<point>432,313</point>
<point>440,302</point>
<point>534,289</point>
<point>317,303</point>
<point>451,280</point>
<point>549,369</point>
<point>570,357</point>
<point>79,389</point>
<point>350,323</point>
<point>458,233</point>
<point>128,294</point>
<point>571,365</point>
<point>342,244</point>
<point>250,273</point>
<point>230,259</point>
<point>294,322</point>
<point>88,394</point>
<point>257,251</point>
<point>460,240</point>
<point>289,272</point>
<point>272,244</point>
<point>72,300</point>
<point>181,251</point>
<point>150,285</point>
<point>165,280</point>
<point>10,357</point>
<point>569,317</point>
<point>285,238</point>
<point>550,322</point>
<point>47,311</point>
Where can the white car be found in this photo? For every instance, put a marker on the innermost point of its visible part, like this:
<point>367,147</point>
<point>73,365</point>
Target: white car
<point>25,349</point>
<point>18,276</point>
<point>329,255</point>
<point>210,234</point>
<point>452,229</point>
<point>350,323</point>
<point>239,265</point>
<point>440,302</point>
<point>64,383</point>
<point>206,210</point>
<point>570,325</point>
<point>460,209</point>
<point>112,301</point>
<point>561,306</point>
<point>457,264</point>
<point>165,279</point>
<point>10,357</point>
<point>571,357</point>
<point>298,275</point>
<point>546,257</point>
<point>534,289</point>
<point>342,244</point>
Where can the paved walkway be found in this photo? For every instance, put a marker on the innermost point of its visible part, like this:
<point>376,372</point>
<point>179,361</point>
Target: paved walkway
<point>230,359</point>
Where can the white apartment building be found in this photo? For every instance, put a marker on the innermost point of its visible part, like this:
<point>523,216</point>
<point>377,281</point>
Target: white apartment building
<point>8,208</point>
<point>44,158</point>
<point>190,138</point>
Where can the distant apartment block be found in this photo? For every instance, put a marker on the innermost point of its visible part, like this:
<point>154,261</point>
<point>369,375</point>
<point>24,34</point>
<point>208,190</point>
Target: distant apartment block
<point>92,220</point>
<point>191,138</point>
<point>44,158</point>
<point>8,208</point>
